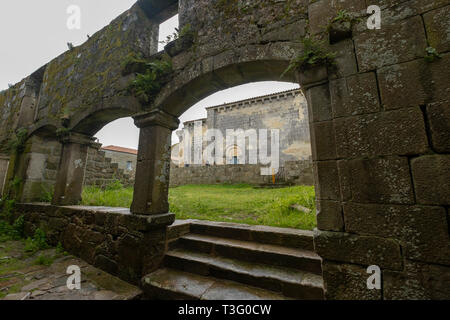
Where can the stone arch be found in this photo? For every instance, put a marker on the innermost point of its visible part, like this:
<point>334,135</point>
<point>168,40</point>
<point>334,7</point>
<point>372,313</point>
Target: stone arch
<point>378,123</point>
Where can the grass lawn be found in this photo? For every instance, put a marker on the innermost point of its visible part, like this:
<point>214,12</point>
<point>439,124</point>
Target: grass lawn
<point>230,203</point>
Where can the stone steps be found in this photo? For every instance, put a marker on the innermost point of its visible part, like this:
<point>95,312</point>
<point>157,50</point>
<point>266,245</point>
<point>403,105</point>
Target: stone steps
<point>290,282</point>
<point>171,284</point>
<point>245,262</point>
<point>286,237</point>
<point>253,252</point>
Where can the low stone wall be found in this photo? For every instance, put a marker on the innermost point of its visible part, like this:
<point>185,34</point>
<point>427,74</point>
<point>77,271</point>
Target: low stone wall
<point>101,170</point>
<point>293,172</point>
<point>128,246</point>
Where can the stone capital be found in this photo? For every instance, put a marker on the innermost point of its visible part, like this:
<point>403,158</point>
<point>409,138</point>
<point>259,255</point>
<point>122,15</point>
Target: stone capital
<point>157,118</point>
<point>77,138</point>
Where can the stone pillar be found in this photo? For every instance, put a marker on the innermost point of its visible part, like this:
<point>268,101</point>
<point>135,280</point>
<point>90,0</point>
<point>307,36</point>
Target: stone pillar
<point>69,181</point>
<point>4,162</point>
<point>151,189</point>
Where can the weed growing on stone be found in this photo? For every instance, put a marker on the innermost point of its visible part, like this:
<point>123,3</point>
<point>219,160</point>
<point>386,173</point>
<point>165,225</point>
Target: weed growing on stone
<point>431,54</point>
<point>150,76</point>
<point>313,55</point>
<point>17,142</point>
<point>37,242</point>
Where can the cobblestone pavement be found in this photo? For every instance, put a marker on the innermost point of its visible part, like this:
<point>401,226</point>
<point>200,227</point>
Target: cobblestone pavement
<point>28,277</point>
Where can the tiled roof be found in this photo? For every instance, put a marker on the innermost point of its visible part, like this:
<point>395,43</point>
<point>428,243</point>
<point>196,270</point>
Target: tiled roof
<point>120,149</point>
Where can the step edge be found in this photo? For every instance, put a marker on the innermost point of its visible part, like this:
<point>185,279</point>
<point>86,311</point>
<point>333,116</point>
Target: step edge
<point>301,251</point>
<point>289,281</point>
<point>211,278</point>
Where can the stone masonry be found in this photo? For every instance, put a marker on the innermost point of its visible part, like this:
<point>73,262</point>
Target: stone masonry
<point>379,126</point>
<point>284,111</point>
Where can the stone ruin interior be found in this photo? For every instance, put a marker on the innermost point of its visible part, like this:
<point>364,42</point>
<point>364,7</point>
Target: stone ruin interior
<point>379,118</point>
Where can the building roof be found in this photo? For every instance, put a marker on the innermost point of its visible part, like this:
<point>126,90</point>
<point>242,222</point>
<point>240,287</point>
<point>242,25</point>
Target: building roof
<point>255,99</point>
<point>120,149</point>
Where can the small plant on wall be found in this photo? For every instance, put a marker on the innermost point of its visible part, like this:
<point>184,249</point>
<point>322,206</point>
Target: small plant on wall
<point>313,55</point>
<point>150,76</point>
<point>431,54</point>
<point>17,142</point>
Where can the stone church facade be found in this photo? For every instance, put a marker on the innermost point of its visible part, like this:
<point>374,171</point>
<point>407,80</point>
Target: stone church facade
<point>286,112</point>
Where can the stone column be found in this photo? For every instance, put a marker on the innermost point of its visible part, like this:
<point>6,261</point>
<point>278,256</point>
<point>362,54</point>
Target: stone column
<point>151,189</point>
<point>69,181</point>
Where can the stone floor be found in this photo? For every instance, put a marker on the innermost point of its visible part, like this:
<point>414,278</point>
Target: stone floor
<point>22,277</point>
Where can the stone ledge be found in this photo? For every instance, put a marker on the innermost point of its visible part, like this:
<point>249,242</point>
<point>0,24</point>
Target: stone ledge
<point>355,249</point>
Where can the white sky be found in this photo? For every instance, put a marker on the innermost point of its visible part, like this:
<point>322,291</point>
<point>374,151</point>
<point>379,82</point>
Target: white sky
<point>34,32</point>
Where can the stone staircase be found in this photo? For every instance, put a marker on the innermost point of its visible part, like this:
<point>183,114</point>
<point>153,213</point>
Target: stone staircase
<point>215,261</point>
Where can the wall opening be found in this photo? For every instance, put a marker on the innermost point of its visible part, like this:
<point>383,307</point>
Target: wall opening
<point>168,31</point>
<point>221,170</point>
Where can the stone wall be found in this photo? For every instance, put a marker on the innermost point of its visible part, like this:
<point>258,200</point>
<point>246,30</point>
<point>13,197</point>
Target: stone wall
<point>284,111</point>
<point>102,170</point>
<point>294,172</point>
<point>122,158</point>
<point>125,245</point>
<point>378,119</point>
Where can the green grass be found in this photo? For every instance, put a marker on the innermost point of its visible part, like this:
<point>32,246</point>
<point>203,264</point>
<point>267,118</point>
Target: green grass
<point>230,203</point>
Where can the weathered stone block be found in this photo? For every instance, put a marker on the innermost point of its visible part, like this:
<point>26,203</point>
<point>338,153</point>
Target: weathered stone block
<point>287,32</point>
<point>431,175</point>
<point>312,76</point>
<point>354,95</point>
<point>329,216</point>
<point>344,180</point>
<point>347,282</point>
<point>355,249</point>
<point>326,179</point>
<point>399,132</point>
<point>392,44</point>
<point>383,180</point>
<point>323,141</point>
<point>438,115</point>
<point>422,230</point>
<point>417,282</point>
<point>437,23</point>
<point>345,59</point>
<point>415,83</point>
<point>323,11</point>
<point>319,103</point>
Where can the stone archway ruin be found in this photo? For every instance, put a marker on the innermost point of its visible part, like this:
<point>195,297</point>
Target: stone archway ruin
<point>379,122</point>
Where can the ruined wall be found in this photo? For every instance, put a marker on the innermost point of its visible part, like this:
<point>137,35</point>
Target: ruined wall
<point>122,158</point>
<point>293,172</point>
<point>128,246</point>
<point>378,119</point>
<point>287,112</point>
<point>283,111</point>
<point>101,170</point>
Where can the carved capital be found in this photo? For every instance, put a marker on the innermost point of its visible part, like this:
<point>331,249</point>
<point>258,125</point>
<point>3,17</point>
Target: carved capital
<point>77,138</point>
<point>157,118</point>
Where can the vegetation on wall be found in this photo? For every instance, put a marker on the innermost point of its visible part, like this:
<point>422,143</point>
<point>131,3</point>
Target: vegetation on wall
<point>344,16</point>
<point>150,76</point>
<point>431,54</point>
<point>185,31</point>
<point>313,55</point>
<point>17,142</point>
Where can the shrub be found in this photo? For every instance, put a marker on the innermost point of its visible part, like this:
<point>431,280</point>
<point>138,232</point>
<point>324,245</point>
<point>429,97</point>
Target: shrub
<point>313,55</point>
<point>38,242</point>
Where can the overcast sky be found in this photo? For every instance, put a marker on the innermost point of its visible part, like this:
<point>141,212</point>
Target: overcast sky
<point>33,32</point>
